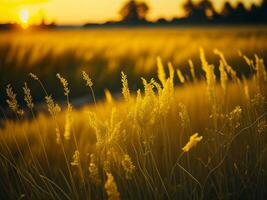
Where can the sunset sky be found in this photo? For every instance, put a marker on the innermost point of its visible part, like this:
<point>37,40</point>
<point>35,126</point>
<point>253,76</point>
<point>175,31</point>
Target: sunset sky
<point>82,11</point>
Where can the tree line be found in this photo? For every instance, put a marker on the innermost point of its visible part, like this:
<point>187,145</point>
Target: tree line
<point>135,12</point>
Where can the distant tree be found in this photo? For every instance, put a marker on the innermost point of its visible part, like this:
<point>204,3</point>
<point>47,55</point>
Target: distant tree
<point>206,8</point>
<point>240,13</point>
<point>254,13</point>
<point>263,11</point>
<point>200,11</point>
<point>143,10</point>
<point>189,7</point>
<point>227,10</point>
<point>134,12</point>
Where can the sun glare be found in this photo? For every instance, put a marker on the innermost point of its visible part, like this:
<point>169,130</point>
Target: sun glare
<point>24,18</point>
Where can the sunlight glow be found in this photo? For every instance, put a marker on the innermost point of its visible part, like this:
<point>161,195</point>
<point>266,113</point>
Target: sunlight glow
<point>84,11</point>
<point>24,18</point>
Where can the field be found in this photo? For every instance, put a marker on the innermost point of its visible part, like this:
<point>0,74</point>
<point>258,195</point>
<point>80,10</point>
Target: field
<point>167,127</point>
<point>104,53</point>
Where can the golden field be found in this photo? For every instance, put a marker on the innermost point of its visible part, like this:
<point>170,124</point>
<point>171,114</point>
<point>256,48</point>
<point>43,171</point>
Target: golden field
<point>139,147</point>
<point>197,130</point>
<point>106,52</point>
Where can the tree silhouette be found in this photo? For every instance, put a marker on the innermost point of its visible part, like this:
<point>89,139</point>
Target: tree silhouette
<point>227,10</point>
<point>206,8</point>
<point>263,11</point>
<point>134,12</point>
<point>240,12</point>
<point>254,13</point>
<point>189,8</point>
<point>200,11</point>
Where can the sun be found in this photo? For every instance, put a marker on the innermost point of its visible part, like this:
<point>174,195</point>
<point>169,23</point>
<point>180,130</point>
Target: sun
<point>24,18</point>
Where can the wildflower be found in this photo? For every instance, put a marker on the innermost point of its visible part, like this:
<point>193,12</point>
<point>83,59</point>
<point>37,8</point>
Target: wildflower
<point>111,188</point>
<point>27,96</point>
<point>194,139</point>
<point>161,72</point>
<point>88,80</point>
<point>76,158</point>
<point>125,88</point>
<point>93,170</point>
<point>128,166</point>
<point>65,84</point>
<point>180,76</point>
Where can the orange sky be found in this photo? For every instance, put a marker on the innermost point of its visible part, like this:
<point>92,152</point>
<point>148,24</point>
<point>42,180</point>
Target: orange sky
<point>81,11</point>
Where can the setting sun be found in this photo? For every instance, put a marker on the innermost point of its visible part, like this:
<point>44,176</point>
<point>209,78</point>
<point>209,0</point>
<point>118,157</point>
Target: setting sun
<point>24,18</point>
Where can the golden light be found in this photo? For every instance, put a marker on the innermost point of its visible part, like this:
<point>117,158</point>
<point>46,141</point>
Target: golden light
<point>24,18</point>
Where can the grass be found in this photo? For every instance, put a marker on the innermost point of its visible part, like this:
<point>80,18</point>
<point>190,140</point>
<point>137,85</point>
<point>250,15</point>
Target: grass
<point>143,146</point>
<point>107,52</point>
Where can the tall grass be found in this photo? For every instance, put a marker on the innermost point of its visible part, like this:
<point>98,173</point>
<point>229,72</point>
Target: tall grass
<point>107,52</point>
<point>203,140</point>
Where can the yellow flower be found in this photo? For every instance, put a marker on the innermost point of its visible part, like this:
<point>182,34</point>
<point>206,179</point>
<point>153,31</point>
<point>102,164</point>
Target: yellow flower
<point>194,139</point>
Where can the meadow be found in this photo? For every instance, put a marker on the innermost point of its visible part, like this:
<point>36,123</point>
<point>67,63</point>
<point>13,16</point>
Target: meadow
<point>104,53</point>
<point>178,129</point>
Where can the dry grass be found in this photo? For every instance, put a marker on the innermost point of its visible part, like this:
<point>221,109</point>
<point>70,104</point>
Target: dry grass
<point>107,52</point>
<point>144,146</point>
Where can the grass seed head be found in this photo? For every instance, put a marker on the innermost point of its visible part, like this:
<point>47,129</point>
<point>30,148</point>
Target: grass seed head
<point>65,84</point>
<point>27,96</point>
<point>194,139</point>
<point>111,188</point>
<point>87,79</point>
